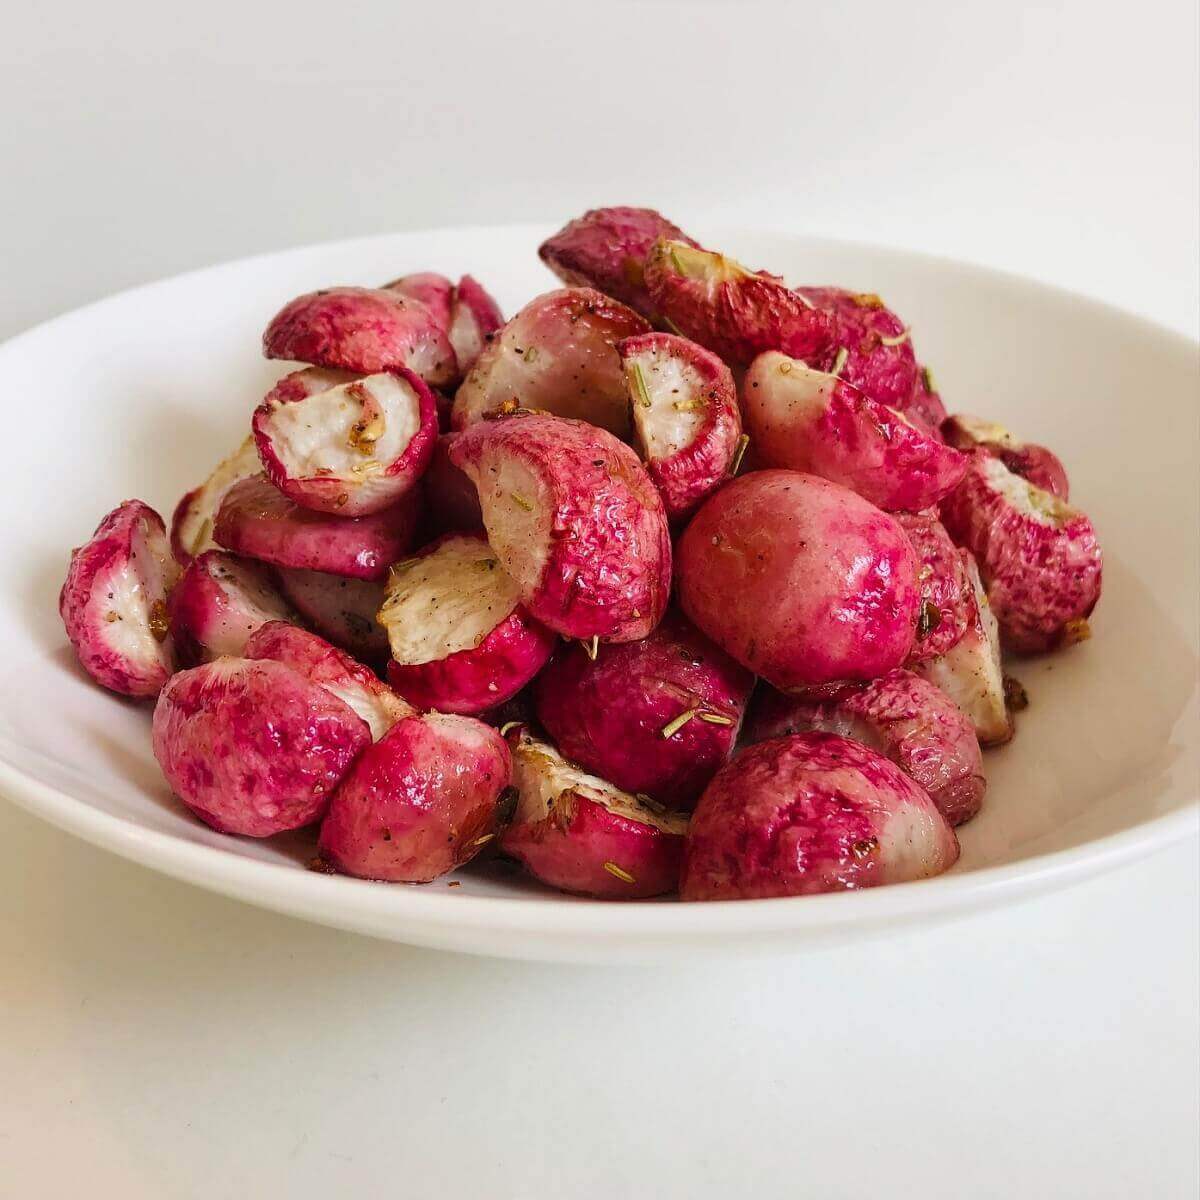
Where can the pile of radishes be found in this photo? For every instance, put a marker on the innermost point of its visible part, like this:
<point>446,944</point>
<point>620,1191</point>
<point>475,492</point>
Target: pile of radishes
<point>574,544</point>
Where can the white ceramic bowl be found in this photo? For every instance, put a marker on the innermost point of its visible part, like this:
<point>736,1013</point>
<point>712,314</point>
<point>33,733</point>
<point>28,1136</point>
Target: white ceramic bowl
<point>138,395</point>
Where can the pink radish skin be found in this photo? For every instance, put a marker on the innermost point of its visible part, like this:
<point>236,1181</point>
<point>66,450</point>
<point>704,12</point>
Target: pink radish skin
<point>114,602</point>
<point>734,312</point>
<point>474,318</point>
<point>686,421</point>
<point>947,604</point>
<point>346,445</point>
<point>364,330</point>
<point>879,360</point>
<point>420,802</point>
<point>606,249</point>
<point>576,522</point>
<point>192,520</point>
<point>1039,557</point>
<point>434,291</point>
<point>451,502</point>
<point>461,640</point>
<point>808,420</point>
<point>924,406</point>
<point>801,581</point>
<point>257,520</point>
<point>324,664</point>
<point>609,715</point>
<point>219,601</point>
<point>811,813</point>
<point>578,833</point>
<point>901,716</point>
<point>341,610</point>
<point>557,355</point>
<point>253,747</point>
<point>1039,466</point>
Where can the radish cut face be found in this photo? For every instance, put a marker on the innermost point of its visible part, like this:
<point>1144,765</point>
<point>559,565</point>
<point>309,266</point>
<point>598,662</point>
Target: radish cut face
<point>474,317</point>
<point>345,445</point>
<point>192,521</point>
<point>114,602</point>
<point>446,601</point>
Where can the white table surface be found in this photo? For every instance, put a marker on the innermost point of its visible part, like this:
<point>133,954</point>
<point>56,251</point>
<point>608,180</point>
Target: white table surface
<point>160,1042</point>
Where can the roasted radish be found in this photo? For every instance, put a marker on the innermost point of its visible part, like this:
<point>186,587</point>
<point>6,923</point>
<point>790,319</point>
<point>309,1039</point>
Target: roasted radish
<point>807,420</point>
<point>474,317</point>
<point>340,444</point>
<point>802,581</point>
<point>576,522</point>
<point>1039,557</point>
<point>557,355</point>
<point>734,312</point>
<point>461,640</point>
<point>253,747</point>
<point>657,716</point>
<point>219,601</point>
<point>578,833</point>
<point>340,609</point>
<point>451,502</point>
<point>606,249</point>
<point>258,520</point>
<point>192,521</point>
<point>364,330</point>
<point>1040,466</point>
<point>426,798</point>
<point>429,288</point>
<point>899,715</point>
<point>970,672</point>
<point>810,813</point>
<point>947,602</point>
<point>114,601</point>
<point>686,422</point>
<point>324,664</point>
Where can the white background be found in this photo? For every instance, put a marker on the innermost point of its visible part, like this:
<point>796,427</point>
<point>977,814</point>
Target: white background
<point>156,1041</point>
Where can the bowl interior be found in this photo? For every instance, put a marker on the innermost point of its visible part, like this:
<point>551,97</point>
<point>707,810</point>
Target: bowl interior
<point>139,395</point>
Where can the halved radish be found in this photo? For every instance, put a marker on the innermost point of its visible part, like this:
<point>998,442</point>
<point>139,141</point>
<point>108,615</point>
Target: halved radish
<point>1039,557</point>
<point>258,520</point>
<point>808,420</point>
<point>686,422</point>
<point>192,521</point>
<point>474,317</point>
<point>114,601</point>
<point>947,604</point>
<point>557,355</point>
<point>575,520</point>
<point>579,833</point>
<point>1040,466</point>
<point>734,312</point>
<point>219,601</point>
<point>340,609</point>
<point>901,716</point>
<point>363,330</point>
<point>970,672</point>
<point>461,640</point>
<point>340,444</point>
<point>322,663</point>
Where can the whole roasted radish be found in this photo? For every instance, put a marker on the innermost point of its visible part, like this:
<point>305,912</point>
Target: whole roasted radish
<point>802,581</point>
<point>219,601</point>
<point>575,520</point>
<point>578,833</point>
<point>254,747</point>
<point>686,423</point>
<point>809,420</point>
<point>734,312</point>
<point>461,640</point>
<point>343,444</point>
<point>365,330</point>
<point>810,813</point>
<point>424,799</point>
<point>656,717</point>
<point>258,520</point>
<point>899,715</point>
<point>114,601</point>
<point>607,248</point>
<point>557,355</point>
<point>1039,557</point>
